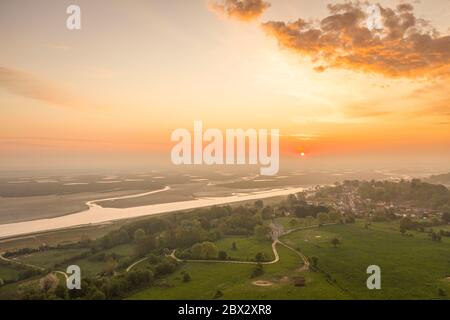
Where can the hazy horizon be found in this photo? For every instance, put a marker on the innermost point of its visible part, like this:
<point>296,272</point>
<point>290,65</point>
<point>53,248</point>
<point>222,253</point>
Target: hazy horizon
<point>109,95</point>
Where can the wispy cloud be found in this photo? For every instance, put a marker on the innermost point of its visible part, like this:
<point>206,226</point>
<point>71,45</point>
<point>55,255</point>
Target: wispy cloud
<point>29,86</point>
<point>244,10</point>
<point>305,136</point>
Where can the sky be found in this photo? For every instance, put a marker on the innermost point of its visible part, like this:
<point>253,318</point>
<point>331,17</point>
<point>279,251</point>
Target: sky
<point>112,92</point>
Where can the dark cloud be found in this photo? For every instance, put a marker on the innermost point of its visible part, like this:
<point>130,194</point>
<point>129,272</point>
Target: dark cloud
<point>405,46</point>
<point>245,10</point>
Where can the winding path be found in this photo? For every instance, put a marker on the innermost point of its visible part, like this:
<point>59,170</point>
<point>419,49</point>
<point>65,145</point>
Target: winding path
<point>31,266</point>
<point>277,231</point>
<point>306,263</point>
<point>305,266</point>
<point>136,263</point>
<point>274,249</point>
<point>61,273</point>
<point>20,263</point>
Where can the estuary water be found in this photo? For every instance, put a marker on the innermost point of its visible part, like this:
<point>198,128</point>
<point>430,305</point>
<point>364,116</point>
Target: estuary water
<point>97,214</point>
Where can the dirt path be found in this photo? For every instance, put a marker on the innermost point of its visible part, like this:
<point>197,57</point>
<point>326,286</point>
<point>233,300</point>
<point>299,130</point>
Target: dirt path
<point>136,263</point>
<point>274,249</point>
<point>20,263</point>
<point>305,266</point>
<point>61,273</point>
<point>306,263</point>
<point>277,231</point>
<point>32,266</point>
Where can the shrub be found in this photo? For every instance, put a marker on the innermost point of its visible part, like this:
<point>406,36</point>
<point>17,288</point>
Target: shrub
<point>218,294</point>
<point>257,271</point>
<point>186,277</point>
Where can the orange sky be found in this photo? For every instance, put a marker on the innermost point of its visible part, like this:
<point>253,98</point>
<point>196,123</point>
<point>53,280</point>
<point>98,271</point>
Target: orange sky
<point>137,71</point>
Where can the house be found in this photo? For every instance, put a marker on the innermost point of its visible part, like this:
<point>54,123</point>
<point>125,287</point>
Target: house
<point>299,281</point>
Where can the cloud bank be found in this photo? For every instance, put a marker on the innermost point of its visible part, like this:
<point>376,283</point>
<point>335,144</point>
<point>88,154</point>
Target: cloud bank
<point>401,45</point>
<point>244,10</point>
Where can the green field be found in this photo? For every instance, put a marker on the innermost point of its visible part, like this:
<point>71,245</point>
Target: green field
<point>90,266</point>
<point>247,248</point>
<point>234,281</point>
<point>48,259</point>
<point>445,228</point>
<point>411,267</point>
<point>293,222</point>
<point>8,273</point>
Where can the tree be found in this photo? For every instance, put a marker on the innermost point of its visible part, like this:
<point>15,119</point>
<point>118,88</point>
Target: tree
<point>292,199</point>
<point>446,217</point>
<point>110,266</point>
<point>96,295</point>
<point>335,242</point>
<point>186,277</point>
<point>116,288</point>
<point>48,282</point>
<point>223,255</point>
<point>408,224</point>
<point>335,216</point>
<point>139,235</point>
<point>190,232</point>
<point>164,268</point>
<point>257,271</point>
<point>196,250</point>
<point>259,204</point>
<point>145,245</point>
<point>139,278</point>
<point>210,250</point>
<point>205,250</point>
<point>261,257</point>
<point>262,232</point>
<point>314,262</point>
<point>350,218</point>
<point>402,230</point>
<point>61,291</point>
<point>218,294</point>
<point>309,220</point>
<point>33,294</point>
<point>267,212</point>
<point>436,237</point>
<point>323,217</point>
